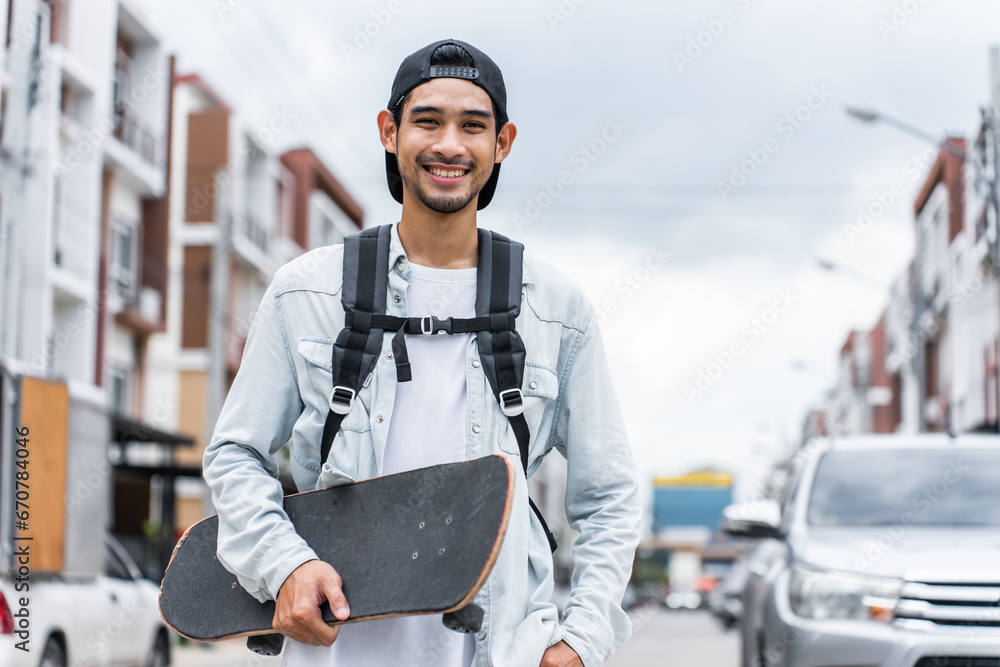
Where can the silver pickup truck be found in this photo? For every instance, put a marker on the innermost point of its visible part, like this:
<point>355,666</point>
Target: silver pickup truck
<point>882,551</point>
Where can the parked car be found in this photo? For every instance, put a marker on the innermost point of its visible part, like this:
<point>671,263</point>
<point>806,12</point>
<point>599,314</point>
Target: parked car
<point>882,551</point>
<point>726,600</point>
<point>108,620</point>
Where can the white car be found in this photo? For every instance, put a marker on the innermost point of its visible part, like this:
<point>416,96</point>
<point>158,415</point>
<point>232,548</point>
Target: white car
<point>108,620</point>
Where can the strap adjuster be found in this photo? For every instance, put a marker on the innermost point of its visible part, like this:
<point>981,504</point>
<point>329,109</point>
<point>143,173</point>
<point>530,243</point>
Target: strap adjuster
<point>511,402</point>
<point>342,399</point>
<point>431,325</point>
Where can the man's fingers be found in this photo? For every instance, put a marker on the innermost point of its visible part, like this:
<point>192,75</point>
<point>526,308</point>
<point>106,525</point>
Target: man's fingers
<point>323,633</point>
<point>307,626</point>
<point>297,614</point>
<point>338,603</point>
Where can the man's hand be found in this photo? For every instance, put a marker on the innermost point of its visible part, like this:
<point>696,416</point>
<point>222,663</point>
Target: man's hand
<point>296,612</point>
<point>560,655</point>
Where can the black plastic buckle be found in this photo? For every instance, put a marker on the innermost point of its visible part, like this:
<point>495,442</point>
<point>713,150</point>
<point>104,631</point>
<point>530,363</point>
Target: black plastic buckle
<point>431,325</point>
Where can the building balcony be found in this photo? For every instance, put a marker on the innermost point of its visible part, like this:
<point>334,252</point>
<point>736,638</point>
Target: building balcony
<point>135,134</point>
<point>134,170</point>
<point>251,240</point>
<point>139,308</point>
<point>255,231</point>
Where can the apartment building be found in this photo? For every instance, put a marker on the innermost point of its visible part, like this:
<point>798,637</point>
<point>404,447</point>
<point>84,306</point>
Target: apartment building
<point>85,122</point>
<point>84,126</point>
<point>239,210</point>
<point>931,361</point>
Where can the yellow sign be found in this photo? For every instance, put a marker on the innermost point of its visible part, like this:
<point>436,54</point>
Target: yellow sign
<point>697,478</point>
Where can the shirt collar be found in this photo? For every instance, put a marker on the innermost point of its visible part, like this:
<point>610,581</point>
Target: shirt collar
<point>399,263</point>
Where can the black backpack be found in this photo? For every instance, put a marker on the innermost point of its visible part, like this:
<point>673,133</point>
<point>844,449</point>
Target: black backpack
<point>498,303</point>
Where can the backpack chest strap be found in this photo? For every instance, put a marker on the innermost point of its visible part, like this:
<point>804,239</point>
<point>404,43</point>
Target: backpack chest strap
<point>498,304</point>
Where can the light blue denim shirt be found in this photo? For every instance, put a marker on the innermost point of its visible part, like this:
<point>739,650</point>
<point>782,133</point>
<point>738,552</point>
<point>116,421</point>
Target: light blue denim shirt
<point>280,394</point>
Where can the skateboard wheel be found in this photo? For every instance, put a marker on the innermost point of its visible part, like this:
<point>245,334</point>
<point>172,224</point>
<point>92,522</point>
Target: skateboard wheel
<point>467,619</point>
<point>266,644</point>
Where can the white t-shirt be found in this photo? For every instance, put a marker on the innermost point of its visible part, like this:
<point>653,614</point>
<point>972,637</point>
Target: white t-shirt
<point>427,428</point>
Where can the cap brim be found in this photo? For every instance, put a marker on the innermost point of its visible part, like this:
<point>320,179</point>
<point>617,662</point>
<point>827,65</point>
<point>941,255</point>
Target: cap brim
<point>395,182</point>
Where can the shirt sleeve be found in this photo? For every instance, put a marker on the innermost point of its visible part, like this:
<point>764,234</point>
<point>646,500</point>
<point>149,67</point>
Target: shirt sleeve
<point>256,541</point>
<point>601,502</point>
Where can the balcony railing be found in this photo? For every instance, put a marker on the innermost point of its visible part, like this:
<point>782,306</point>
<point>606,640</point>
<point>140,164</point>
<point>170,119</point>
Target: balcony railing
<point>255,231</point>
<point>134,134</point>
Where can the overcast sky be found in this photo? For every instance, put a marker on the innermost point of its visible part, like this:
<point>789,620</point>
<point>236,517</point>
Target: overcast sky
<point>670,97</point>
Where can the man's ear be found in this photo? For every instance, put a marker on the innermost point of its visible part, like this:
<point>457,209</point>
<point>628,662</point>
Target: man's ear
<point>387,130</point>
<point>504,141</point>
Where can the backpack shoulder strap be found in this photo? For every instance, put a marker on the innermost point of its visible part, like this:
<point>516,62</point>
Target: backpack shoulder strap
<point>362,294</point>
<point>498,297</point>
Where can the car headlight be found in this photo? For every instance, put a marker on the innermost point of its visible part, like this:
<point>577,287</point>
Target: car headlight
<point>823,594</point>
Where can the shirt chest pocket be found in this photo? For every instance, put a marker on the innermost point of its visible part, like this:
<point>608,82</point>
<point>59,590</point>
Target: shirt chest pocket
<point>317,353</point>
<point>541,389</point>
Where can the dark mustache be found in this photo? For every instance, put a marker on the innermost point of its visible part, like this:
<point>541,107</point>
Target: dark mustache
<point>468,164</point>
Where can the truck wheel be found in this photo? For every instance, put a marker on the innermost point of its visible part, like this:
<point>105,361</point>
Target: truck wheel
<point>53,655</point>
<point>160,657</point>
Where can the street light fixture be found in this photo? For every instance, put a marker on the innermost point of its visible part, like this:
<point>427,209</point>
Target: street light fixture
<point>870,281</point>
<point>872,116</point>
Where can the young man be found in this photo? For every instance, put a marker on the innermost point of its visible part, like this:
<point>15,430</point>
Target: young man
<point>445,134</point>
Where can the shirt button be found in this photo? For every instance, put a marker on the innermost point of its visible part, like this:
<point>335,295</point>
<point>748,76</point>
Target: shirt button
<point>533,384</point>
<point>482,635</point>
<point>401,265</point>
<point>475,363</point>
<point>397,298</point>
<point>476,429</point>
<point>380,419</point>
<point>388,355</point>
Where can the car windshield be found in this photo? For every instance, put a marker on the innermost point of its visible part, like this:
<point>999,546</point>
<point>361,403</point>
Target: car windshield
<point>927,487</point>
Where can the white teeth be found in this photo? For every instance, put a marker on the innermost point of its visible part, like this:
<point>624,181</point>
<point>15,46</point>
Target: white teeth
<point>445,174</point>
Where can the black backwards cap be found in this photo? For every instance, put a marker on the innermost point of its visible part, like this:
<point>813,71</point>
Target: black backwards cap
<point>416,69</point>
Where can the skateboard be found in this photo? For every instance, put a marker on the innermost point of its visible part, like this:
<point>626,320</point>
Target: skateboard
<point>417,542</point>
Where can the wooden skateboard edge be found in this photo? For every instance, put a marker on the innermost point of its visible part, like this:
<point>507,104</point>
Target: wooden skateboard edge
<point>470,596</point>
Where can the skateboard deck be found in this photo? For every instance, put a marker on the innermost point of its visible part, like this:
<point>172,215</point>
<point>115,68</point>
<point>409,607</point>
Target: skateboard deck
<point>417,542</point>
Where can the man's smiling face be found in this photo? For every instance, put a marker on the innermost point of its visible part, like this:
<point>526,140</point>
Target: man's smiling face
<point>447,143</point>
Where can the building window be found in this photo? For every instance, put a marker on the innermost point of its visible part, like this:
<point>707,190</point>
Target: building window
<point>121,381</point>
<point>123,71</point>
<point>123,260</point>
<point>57,257</point>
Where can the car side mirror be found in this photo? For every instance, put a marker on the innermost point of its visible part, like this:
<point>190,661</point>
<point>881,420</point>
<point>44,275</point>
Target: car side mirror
<point>755,519</point>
